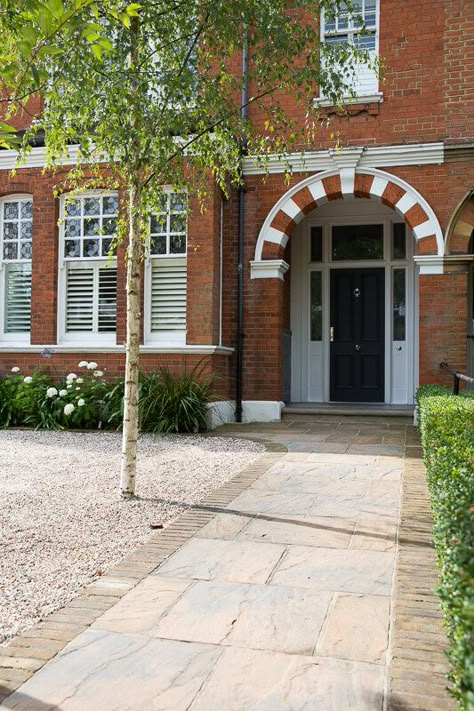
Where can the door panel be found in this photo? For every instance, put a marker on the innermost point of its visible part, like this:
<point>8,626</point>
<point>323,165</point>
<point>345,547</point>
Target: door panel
<point>357,362</point>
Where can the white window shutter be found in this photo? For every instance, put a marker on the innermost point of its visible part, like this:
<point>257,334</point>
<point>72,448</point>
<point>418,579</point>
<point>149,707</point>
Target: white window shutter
<point>107,299</point>
<point>80,299</point>
<point>168,295</point>
<point>18,298</point>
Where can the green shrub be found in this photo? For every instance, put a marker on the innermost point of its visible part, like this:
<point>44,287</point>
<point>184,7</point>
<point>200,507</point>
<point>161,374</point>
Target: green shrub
<point>447,433</point>
<point>170,403</point>
<point>167,402</point>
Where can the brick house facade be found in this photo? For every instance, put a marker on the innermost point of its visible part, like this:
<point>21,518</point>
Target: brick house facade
<point>357,271</point>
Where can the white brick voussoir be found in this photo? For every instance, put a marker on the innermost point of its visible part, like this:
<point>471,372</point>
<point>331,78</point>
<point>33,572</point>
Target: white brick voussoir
<point>378,186</point>
<point>405,203</point>
<point>318,192</point>
<point>276,236</point>
<point>291,209</point>
<point>425,229</point>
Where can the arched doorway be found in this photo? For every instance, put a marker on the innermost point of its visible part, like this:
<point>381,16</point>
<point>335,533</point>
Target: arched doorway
<point>353,282</point>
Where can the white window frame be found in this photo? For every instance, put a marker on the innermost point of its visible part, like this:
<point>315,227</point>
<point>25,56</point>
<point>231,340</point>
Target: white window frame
<point>172,338</point>
<point>19,338</point>
<point>360,93</point>
<point>80,337</point>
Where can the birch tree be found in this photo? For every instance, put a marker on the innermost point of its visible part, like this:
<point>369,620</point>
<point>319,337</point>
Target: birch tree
<point>153,89</point>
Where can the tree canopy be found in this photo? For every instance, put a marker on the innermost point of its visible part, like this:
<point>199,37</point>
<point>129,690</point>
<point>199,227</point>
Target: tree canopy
<point>158,83</point>
<point>156,90</point>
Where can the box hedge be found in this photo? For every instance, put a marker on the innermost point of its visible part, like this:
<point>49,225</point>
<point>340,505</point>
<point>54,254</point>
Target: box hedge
<point>446,424</point>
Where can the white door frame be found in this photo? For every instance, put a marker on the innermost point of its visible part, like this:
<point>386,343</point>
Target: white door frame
<point>304,352</point>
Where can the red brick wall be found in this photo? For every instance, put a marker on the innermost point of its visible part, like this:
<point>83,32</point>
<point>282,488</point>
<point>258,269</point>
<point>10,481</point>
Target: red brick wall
<point>428,85</point>
<point>442,325</point>
<point>60,364</point>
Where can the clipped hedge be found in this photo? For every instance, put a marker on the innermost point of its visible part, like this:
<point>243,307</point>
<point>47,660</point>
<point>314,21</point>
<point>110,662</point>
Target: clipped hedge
<point>446,424</point>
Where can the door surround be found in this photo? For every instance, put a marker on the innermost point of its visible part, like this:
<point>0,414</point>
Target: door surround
<point>308,358</point>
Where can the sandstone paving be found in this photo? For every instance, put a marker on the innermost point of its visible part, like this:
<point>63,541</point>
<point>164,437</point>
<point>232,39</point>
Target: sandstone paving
<point>329,532</point>
<point>357,628</point>
<point>232,561</point>
<point>250,679</point>
<point>284,619</point>
<point>360,571</point>
<point>281,600</point>
<point>101,671</point>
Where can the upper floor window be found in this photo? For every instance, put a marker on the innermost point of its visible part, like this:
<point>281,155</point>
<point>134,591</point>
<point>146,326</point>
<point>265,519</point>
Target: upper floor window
<point>16,234</point>
<point>88,272</point>
<point>358,27</point>
<point>166,272</point>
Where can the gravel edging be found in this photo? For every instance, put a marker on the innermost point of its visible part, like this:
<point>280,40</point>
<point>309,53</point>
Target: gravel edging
<point>31,650</point>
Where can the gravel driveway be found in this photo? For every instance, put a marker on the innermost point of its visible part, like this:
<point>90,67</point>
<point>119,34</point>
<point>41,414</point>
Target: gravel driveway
<point>62,522</point>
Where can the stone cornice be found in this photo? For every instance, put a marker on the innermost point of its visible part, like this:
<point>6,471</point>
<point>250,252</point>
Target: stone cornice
<point>329,159</point>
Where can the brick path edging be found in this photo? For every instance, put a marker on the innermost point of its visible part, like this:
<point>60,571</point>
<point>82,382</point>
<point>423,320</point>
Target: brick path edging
<point>32,649</point>
<point>418,666</point>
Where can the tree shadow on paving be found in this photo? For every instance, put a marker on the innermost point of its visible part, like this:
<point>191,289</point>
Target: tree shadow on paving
<point>295,522</point>
<point>19,700</point>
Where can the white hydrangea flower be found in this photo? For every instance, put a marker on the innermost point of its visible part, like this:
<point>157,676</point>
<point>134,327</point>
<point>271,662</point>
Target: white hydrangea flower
<point>71,376</point>
<point>79,380</point>
<point>98,373</point>
<point>92,365</point>
<point>83,364</point>
<point>69,386</point>
<point>69,408</point>
<point>51,392</point>
<point>28,379</point>
<point>15,369</point>
<point>81,402</point>
<point>62,393</point>
<point>78,388</point>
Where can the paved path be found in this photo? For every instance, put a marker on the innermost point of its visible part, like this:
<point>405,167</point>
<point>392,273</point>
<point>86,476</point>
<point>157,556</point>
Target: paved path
<point>282,601</point>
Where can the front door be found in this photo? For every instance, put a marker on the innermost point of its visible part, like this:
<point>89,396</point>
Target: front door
<point>357,362</point>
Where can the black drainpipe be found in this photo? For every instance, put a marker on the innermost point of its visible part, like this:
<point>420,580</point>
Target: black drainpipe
<point>240,251</point>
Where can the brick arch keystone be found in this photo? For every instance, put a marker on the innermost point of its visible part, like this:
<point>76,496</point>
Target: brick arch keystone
<point>320,188</point>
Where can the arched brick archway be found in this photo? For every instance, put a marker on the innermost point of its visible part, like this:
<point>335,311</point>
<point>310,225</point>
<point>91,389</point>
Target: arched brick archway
<point>461,226</point>
<point>320,188</point>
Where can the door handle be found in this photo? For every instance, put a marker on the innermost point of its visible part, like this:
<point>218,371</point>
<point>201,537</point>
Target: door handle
<point>357,347</point>
<point>331,334</point>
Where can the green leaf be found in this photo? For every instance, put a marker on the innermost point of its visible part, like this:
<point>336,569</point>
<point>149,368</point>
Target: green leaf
<point>97,52</point>
<point>5,127</point>
<point>45,19</point>
<point>56,7</point>
<point>50,50</point>
<point>132,9</point>
<point>125,19</point>
<point>25,48</point>
<point>36,77</point>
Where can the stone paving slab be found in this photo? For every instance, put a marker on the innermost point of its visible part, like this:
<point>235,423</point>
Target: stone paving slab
<point>281,619</point>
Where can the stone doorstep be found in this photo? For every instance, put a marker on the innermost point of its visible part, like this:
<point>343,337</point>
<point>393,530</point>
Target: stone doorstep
<point>30,651</point>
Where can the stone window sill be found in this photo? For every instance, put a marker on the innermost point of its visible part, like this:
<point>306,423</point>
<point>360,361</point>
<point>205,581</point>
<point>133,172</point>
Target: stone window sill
<point>355,105</point>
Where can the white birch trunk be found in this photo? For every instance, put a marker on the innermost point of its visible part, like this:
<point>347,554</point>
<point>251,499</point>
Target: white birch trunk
<point>130,403</point>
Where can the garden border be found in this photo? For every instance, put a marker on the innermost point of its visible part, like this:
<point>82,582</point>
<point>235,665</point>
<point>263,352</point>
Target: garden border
<point>32,649</point>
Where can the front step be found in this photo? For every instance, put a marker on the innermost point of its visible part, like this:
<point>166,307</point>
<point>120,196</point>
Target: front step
<point>308,411</point>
